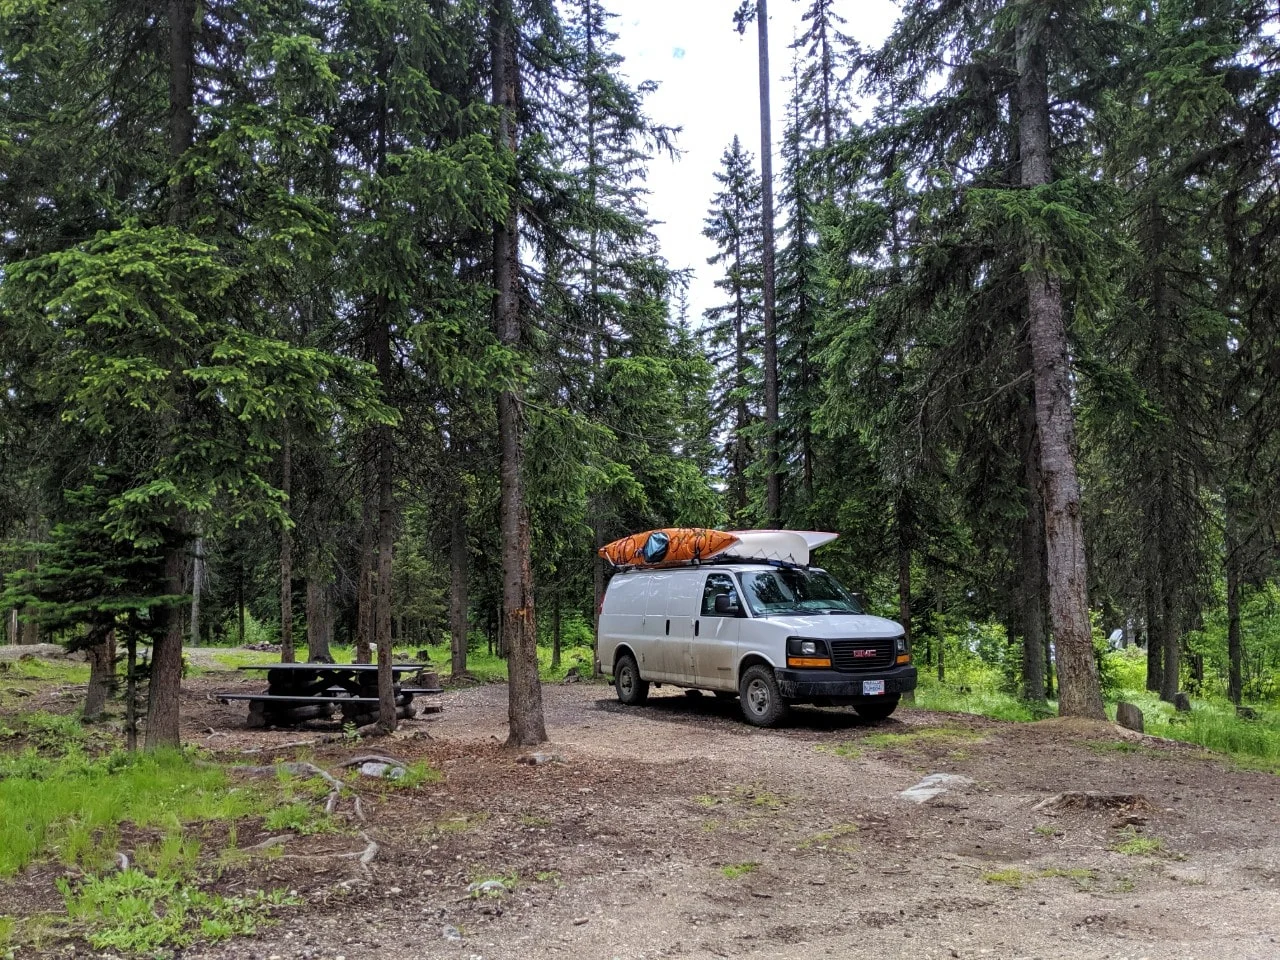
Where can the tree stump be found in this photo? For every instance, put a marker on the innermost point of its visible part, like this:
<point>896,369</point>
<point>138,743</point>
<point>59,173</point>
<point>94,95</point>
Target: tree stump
<point>1246,713</point>
<point>1129,716</point>
<point>1182,701</point>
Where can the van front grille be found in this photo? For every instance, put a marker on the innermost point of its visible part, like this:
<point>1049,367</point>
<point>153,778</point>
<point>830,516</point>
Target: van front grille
<point>862,655</point>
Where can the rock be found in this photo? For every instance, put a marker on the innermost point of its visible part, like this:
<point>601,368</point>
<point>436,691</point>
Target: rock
<point>31,651</point>
<point>579,921</point>
<point>1128,715</point>
<point>389,770</point>
<point>538,759</point>
<point>450,933</point>
<point>934,785</point>
<point>487,886</point>
<point>1247,713</point>
<point>1182,701</point>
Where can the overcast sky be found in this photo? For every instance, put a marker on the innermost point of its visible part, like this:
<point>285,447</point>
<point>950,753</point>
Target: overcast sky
<point>708,85</point>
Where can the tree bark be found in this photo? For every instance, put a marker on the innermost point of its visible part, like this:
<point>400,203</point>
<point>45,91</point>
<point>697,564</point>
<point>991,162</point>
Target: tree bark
<point>319,619</point>
<point>1171,639</point>
<point>458,583</point>
<point>526,725</point>
<point>365,576</point>
<point>555,632</point>
<point>182,116</point>
<point>240,604</point>
<point>386,538</point>
<point>165,686</point>
<point>1235,647</point>
<point>903,521</point>
<point>197,584</point>
<point>1032,585</point>
<point>773,477</point>
<point>598,592</point>
<point>1079,691</point>
<point>286,556</point>
<point>101,653</point>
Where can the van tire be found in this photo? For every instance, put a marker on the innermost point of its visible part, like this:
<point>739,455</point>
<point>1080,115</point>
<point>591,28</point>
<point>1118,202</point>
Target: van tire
<point>877,709</point>
<point>762,703</point>
<point>627,681</point>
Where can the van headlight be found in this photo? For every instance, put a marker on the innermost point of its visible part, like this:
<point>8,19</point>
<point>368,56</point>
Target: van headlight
<point>900,643</point>
<point>811,654</point>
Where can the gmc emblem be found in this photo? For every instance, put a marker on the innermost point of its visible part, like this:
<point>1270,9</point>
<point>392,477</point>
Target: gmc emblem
<point>864,653</point>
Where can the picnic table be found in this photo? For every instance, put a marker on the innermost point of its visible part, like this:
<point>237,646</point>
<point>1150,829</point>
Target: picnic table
<point>297,692</point>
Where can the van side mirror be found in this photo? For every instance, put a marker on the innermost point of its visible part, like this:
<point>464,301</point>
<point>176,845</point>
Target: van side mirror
<point>726,605</point>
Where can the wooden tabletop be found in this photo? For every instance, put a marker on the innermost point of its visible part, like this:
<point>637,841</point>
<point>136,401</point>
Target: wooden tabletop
<point>354,667</point>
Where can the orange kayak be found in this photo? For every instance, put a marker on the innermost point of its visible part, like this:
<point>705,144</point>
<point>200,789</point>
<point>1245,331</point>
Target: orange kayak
<point>669,545</point>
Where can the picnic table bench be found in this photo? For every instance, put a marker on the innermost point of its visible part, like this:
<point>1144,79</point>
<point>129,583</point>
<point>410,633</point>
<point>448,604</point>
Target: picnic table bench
<point>297,692</point>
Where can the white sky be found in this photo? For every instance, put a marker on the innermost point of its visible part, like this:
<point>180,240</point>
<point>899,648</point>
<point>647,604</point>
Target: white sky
<point>708,85</point>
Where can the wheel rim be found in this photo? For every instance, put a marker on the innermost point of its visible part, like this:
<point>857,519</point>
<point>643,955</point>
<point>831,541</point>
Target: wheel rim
<point>625,681</point>
<point>758,697</point>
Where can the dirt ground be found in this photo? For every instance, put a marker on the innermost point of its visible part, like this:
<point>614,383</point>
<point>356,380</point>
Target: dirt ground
<point>674,830</point>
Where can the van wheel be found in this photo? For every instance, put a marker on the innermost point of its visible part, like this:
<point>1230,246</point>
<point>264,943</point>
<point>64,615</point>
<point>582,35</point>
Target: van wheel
<point>762,702</point>
<point>876,709</point>
<point>626,678</point>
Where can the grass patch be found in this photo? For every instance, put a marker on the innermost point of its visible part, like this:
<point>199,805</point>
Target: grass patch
<point>74,805</point>
<point>132,912</point>
<point>831,839</point>
<point>529,820</point>
<point>736,870</point>
<point>6,931</point>
<point>1133,844</point>
<point>1008,878</point>
<point>1214,725</point>
<point>846,751</point>
<point>303,818</point>
<point>978,695</point>
<point>1081,876</point>
<point>50,671</point>
<point>461,823</point>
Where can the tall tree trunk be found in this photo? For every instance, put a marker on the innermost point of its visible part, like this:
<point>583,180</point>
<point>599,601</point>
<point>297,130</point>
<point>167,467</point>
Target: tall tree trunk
<point>555,631</point>
<point>1151,593</point>
<point>1171,640</point>
<point>101,652</point>
<point>365,576</point>
<point>1079,691</point>
<point>286,556</point>
<point>598,584</point>
<point>240,604</point>
<point>773,476</point>
<point>197,585</point>
<point>386,539</point>
<point>1032,586</point>
<point>526,725</point>
<point>319,619</point>
<point>940,632</point>
<point>131,694</point>
<point>903,521</point>
<point>1235,651</point>
<point>28,631</point>
<point>459,575</point>
<point>165,685</point>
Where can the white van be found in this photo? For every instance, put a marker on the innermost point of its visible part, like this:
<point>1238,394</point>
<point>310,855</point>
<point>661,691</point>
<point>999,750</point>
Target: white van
<point>771,634</point>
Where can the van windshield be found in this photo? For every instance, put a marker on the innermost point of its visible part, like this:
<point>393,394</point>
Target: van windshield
<point>791,590</point>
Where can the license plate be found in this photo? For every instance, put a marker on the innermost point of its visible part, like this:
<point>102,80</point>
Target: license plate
<point>872,687</point>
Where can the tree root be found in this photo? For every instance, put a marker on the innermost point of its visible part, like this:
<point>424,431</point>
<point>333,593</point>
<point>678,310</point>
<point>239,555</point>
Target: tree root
<point>373,758</point>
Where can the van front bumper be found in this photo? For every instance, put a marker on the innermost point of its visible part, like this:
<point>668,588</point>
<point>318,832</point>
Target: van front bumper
<point>802,685</point>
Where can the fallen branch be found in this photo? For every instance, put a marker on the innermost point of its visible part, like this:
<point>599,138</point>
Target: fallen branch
<point>370,852</point>
<point>266,844</point>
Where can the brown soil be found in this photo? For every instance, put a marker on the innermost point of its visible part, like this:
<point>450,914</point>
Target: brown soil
<point>674,830</point>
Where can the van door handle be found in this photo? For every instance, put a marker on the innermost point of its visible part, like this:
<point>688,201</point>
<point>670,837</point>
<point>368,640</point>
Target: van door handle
<point>668,628</point>
<point>695,627</point>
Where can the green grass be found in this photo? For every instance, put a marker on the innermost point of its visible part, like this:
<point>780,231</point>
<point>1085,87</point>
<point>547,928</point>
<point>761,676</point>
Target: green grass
<point>1135,845</point>
<point>73,806</point>
<point>1009,878</point>
<point>302,818</point>
<point>846,751</point>
<point>134,913</point>
<point>1017,879</point>
<point>57,671</point>
<point>1213,724</point>
<point>736,870</point>
<point>6,930</point>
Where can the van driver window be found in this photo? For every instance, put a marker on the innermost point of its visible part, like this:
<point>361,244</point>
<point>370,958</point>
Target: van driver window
<point>717,584</point>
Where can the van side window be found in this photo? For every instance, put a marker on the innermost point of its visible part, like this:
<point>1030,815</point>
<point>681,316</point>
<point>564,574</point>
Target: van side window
<point>717,584</point>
